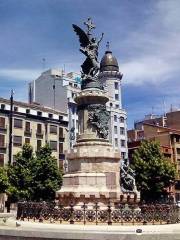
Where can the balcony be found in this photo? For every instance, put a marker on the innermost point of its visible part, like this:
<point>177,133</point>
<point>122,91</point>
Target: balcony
<point>39,134</point>
<point>28,132</point>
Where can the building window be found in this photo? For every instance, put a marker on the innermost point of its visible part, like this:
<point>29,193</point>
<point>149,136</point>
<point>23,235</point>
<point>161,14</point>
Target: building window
<point>38,144</point>
<point>116,85</point>
<point>73,123</point>
<point>62,157</point>
<point>50,115</point>
<point>2,122</point>
<point>123,155</point>
<point>76,124</point>
<point>60,147</point>
<point>115,118</point>
<point>27,140</point>
<point>122,131</point>
<point>3,106</point>
<point>116,142</point>
<point>115,129</point>
<point>17,141</point>
<point>39,128</point>
<point>53,129</point>
<point>178,150</point>
<point>15,109</point>
<point>2,140</point>
<point>121,119</point>
<point>75,85</point>
<point>18,123</point>
<point>117,106</point>
<point>39,113</point>
<point>1,160</point>
<point>73,110</point>
<point>60,117</point>
<point>53,145</point>
<point>27,127</point>
<point>116,96</point>
<point>122,143</point>
<point>61,132</point>
<point>70,84</point>
<point>27,111</point>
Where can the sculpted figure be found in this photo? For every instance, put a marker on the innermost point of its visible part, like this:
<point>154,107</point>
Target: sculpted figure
<point>127,177</point>
<point>89,47</point>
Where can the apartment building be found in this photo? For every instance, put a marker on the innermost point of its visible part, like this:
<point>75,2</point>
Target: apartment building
<point>33,124</point>
<point>169,140</point>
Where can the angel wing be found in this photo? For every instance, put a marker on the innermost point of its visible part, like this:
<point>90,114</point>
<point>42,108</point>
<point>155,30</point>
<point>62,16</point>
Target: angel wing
<point>83,37</point>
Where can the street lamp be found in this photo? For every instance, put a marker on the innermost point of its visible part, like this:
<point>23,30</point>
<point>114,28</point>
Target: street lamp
<point>10,127</point>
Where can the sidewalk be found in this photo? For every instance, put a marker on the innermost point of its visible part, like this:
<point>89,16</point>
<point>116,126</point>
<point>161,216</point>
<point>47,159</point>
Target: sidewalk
<point>31,230</point>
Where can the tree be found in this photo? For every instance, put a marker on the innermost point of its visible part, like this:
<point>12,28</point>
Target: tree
<point>47,178</point>
<point>20,175</point>
<point>154,173</point>
<point>34,177</point>
<point>4,183</point>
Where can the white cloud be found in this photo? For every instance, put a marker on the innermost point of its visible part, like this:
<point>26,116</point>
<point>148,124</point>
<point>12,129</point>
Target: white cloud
<point>157,46</point>
<point>20,74</point>
<point>149,69</point>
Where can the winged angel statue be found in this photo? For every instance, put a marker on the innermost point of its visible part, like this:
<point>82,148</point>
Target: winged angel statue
<point>89,47</point>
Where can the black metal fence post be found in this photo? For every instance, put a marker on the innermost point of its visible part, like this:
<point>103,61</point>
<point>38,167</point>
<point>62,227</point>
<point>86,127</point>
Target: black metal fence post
<point>96,210</point>
<point>72,213</point>
<point>84,213</point>
<point>109,214</point>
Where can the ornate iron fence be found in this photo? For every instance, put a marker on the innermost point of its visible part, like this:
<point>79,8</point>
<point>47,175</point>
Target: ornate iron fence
<point>95,214</point>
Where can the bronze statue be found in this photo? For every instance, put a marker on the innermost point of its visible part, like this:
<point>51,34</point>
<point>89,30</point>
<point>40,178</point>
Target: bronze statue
<point>89,47</point>
<point>127,180</point>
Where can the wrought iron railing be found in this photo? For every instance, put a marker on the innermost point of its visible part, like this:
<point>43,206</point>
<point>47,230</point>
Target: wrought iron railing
<point>95,214</point>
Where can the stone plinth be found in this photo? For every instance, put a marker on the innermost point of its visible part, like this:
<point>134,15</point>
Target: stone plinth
<point>93,175</point>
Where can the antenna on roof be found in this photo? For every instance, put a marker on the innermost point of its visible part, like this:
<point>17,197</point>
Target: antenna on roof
<point>164,107</point>
<point>43,64</point>
<point>171,108</point>
<point>63,70</point>
<point>152,110</point>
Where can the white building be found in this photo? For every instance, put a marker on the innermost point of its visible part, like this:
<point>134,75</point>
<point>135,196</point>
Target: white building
<point>56,90</point>
<point>110,78</point>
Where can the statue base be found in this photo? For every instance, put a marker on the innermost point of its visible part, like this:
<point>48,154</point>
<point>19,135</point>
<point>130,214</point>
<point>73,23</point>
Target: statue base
<point>93,175</point>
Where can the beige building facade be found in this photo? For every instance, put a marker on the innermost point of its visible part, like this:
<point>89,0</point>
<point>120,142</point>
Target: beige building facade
<point>32,124</point>
<point>169,140</point>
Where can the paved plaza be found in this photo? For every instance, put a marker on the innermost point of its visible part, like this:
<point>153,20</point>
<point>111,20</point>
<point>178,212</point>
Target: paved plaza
<point>13,229</point>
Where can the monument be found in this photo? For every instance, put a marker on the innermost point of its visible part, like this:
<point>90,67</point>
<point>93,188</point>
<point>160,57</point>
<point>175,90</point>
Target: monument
<point>93,165</point>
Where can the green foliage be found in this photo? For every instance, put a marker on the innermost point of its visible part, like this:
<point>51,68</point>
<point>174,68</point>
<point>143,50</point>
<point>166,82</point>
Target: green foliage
<point>34,177</point>
<point>154,173</point>
<point>46,175</point>
<point>20,175</point>
<point>4,184</point>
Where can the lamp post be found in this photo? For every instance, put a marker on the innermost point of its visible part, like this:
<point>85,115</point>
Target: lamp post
<point>10,127</point>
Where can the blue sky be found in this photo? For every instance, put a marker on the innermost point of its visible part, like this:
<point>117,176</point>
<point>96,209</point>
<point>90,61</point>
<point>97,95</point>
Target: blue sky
<point>144,35</point>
